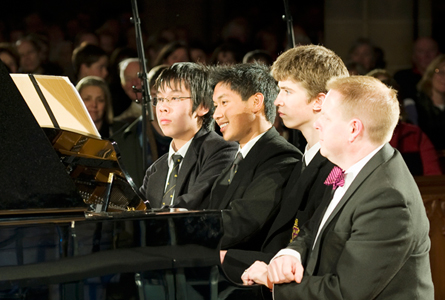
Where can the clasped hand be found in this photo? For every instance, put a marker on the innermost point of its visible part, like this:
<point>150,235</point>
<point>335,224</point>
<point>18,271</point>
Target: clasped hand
<point>283,269</point>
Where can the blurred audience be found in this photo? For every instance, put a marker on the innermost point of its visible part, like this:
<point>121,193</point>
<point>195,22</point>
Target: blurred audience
<point>414,145</point>
<point>425,49</point>
<point>258,56</point>
<point>33,52</point>
<point>431,102</point>
<point>90,60</point>
<point>9,56</point>
<point>172,53</point>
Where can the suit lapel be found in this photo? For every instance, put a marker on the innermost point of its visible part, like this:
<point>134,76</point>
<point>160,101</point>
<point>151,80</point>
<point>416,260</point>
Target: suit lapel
<point>379,158</point>
<point>247,165</point>
<point>157,181</point>
<point>189,161</point>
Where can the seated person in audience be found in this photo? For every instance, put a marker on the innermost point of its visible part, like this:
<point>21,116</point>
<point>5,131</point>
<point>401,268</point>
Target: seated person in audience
<point>249,192</point>
<point>372,241</point>
<point>96,96</point>
<point>302,75</point>
<point>416,148</point>
<point>33,57</point>
<point>197,155</point>
<point>9,56</point>
<point>431,102</point>
<point>129,140</point>
<point>259,56</point>
<point>425,49</point>
<point>172,53</point>
<point>128,73</point>
<point>89,60</point>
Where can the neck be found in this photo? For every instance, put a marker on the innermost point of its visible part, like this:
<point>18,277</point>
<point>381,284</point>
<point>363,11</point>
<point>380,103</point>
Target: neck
<point>354,154</point>
<point>256,129</point>
<point>311,135</point>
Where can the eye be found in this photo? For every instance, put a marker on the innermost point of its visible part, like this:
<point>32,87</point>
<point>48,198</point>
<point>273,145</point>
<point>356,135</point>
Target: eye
<point>176,99</point>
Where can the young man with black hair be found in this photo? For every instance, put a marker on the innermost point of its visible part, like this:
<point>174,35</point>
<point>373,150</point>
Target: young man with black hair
<point>249,191</point>
<point>197,154</point>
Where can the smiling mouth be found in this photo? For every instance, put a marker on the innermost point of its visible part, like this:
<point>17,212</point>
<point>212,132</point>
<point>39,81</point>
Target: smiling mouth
<point>222,126</point>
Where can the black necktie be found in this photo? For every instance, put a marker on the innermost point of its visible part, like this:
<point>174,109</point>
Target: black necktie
<point>303,164</point>
<point>171,183</point>
<point>234,167</point>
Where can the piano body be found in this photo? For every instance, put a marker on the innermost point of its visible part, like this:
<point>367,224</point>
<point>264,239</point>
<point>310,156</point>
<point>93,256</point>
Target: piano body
<point>69,211</point>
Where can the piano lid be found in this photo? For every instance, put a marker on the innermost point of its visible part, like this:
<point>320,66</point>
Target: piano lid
<point>31,175</point>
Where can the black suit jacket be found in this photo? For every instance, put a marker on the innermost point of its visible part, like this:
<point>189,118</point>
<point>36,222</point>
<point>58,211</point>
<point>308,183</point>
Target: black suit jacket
<point>250,202</point>
<point>302,196</point>
<point>206,157</point>
<point>374,245</point>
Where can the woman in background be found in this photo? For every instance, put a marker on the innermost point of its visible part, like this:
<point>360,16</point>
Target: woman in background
<point>96,96</point>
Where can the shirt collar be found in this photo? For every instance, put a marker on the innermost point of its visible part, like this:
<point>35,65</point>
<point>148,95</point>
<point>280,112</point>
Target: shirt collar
<point>249,145</point>
<point>310,153</point>
<point>182,151</point>
<point>353,171</point>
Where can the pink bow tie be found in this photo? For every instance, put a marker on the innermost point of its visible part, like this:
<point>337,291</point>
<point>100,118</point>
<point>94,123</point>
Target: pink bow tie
<point>336,178</point>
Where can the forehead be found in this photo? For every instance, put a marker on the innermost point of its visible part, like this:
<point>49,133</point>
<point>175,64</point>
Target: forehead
<point>224,90</point>
<point>331,102</point>
<point>91,89</point>
<point>172,87</point>
<point>290,84</point>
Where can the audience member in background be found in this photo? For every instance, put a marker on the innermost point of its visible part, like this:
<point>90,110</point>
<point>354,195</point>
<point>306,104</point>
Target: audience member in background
<point>228,53</point>
<point>128,73</point>
<point>198,53</point>
<point>9,56</point>
<point>31,49</point>
<point>416,148</point>
<point>95,94</point>
<point>424,51</point>
<point>362,52</point>
<point>90,60</point>
<point>172,53</point>
<point>114,80</point>
<point>86,37</point>
<point>129,140</point>
<point>258,56</point>
<point>184,110</point>
<point>431,102</point>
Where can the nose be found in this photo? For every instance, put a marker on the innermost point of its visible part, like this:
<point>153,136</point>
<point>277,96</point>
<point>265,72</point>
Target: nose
<point>217,113</point>
<point>278,101</point>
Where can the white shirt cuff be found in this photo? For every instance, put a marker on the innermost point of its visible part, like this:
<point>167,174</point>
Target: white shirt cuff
<point>287,252</point>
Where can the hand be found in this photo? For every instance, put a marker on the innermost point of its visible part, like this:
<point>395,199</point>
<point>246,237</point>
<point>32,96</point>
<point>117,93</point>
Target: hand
<point>222,255</point>
<point>256,273</point>
<point>285,269</point>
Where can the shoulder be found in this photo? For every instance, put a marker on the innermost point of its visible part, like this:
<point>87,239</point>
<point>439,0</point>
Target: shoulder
<point>211,141</point>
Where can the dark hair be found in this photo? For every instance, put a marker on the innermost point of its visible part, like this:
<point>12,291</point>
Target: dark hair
<point>247,80</point>
<point>167,50</point>
<point>193,77</point>
<point>86,54</point>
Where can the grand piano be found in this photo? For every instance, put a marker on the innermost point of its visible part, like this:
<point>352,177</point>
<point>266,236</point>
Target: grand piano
<point>73,224</point>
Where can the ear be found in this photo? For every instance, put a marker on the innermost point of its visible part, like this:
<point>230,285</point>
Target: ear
<point>355,129</point>
<point>201,111</point>
<point>257,102</point>
<point>318,102</point>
